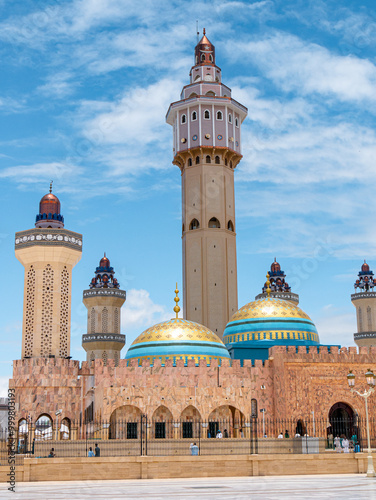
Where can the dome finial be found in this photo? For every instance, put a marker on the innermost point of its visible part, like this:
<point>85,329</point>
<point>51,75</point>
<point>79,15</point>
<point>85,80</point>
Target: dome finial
<point>51,186</point>
<point>176,299</point>
<point>268,290</point>
<point>204,31</point>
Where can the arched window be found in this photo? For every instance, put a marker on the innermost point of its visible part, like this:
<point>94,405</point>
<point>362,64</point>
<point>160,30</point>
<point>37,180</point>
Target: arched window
<point>197,78</point>
<point>226,162</point>
<point>369,319</point>
<point>230,164</point>
<point>196,59</point>
<point>207,114</point>
<point>194,116</point>
<point>236,122</point>
<point>194,224</point>
<point>65,428</point>
<point>183,118</point>
<point>208,159</point>
<point>219,115</point>
<point>43,428</point>
<point>197,160</point>
<point>189,162</point>
<point>217,160</point>
<point>214,223</point>
<point>210,58</point>
<point>254,407</point>
<point>230,225</point>
<point>230,118</point>
<point>202,57</point>
<point>210,93</point>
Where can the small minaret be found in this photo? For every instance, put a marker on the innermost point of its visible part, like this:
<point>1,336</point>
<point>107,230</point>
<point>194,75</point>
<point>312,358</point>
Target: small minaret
<point>279,288</point>
<point>103,302</point>
<point>364,299</point>
<point>48,254</point>
<point>207,147</point>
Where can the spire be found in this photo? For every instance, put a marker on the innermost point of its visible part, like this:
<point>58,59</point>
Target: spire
<point>204,52</point>
<point>365,281</point>
<point>177,300</point>
<point>51,186</point>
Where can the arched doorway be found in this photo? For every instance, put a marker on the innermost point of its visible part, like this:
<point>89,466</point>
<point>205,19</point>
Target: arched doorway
<point>125,422</point>
<point>162,423</point>
<point>342,420</point>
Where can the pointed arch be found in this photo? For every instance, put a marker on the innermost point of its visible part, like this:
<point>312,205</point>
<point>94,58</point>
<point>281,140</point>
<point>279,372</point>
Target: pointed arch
<point>230,226</point>
<point>194,224</point>
<point>162,427</point>
<point>125,422</point>
<point>214,223</point>
<point>217,160</point>
<point>208,159</point>
<point>207,114</point>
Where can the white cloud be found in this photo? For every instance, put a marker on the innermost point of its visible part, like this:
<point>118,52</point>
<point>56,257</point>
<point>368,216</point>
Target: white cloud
<point>335,327</point>
<point>36,172</point>
<point>140,312</point>
<point>308,68</point>
<point>57,85</point>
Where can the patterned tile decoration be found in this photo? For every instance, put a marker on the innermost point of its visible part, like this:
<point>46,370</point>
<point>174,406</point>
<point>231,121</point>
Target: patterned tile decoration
<point>177,329</point>
<point>271,308</point>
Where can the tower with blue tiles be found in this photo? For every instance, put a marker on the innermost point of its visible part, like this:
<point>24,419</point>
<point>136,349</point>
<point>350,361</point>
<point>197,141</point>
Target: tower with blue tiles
<point>206,125</point>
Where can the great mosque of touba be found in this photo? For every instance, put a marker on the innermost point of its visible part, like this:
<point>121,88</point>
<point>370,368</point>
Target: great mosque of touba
<point>219,360</point>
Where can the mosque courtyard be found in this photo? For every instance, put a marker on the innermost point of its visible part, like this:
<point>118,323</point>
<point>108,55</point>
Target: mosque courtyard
<point>350,486</point>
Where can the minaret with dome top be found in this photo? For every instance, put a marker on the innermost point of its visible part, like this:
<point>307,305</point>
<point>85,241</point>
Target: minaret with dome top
<point>48,253</point>
<point>279,288</point>
<point>103,301</point>
<point>364,299</point>
<point>207,148</point>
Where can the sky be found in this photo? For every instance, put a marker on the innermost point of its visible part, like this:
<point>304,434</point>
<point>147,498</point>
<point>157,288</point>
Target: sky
<point>84,89</point>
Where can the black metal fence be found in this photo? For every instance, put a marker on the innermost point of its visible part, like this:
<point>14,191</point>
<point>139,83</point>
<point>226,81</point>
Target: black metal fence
<point>145,436</point>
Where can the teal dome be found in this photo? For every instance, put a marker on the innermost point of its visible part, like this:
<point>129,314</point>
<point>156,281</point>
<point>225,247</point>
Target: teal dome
<point>270,321</point>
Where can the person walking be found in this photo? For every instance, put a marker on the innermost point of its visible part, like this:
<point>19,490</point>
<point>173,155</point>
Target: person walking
<point>345,445</point>
<point>97,450</point>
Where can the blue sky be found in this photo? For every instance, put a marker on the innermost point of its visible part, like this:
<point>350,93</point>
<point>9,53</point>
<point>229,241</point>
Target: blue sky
<point>84,88</point>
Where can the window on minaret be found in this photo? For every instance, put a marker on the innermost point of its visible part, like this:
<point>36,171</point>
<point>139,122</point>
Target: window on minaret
<point>194,224</point>
<point>369,319</point>
<point>217,160</point>
<point>236,122</point>
<point>202,57</point>
<point>214,223</point>
<point>207,114</point>
<point>208,159</point>
<point>194,116</point>
<point>189,162</point>
<point>211,58</point>
<point>197,160</point>
<point>230,225</point>
<point>183,118</point>
<point>219,115</point>
<point>230,118</point>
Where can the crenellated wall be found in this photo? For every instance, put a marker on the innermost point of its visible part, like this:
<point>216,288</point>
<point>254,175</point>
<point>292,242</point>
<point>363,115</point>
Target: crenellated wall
<point>293,383</point>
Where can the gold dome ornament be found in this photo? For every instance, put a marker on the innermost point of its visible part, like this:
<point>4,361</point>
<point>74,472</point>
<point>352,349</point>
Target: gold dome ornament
<point>177,300</point>
<point>268,290</point>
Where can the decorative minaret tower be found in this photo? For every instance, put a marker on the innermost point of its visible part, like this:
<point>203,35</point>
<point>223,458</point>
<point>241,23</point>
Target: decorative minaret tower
<point>279,288</point>
<point>48,254</point>
<point>103,302</point>
<point>364,299</point>
<point>207,148</point>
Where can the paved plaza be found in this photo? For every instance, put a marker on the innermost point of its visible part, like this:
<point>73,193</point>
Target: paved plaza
<point>290,487</point>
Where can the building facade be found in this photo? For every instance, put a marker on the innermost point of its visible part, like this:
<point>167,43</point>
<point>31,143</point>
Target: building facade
<point>181,370</point>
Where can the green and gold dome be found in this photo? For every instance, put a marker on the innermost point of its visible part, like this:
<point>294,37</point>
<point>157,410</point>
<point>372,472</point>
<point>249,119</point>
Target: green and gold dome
<point>177,339</point>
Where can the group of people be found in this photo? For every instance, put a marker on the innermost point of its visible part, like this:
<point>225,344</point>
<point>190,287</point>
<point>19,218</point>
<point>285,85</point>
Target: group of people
<point>341,443</point>
<point>91,453</point>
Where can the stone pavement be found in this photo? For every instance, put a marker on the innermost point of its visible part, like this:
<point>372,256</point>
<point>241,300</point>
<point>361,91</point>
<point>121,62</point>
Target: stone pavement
<point>274,487</point>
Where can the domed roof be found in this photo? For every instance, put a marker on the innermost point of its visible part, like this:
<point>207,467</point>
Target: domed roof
<point>104,262</point>
<point>276,321</point>
<point>275,267</point>
<point>49,212</point>
<point>365,267</point>
<point>177,339</point>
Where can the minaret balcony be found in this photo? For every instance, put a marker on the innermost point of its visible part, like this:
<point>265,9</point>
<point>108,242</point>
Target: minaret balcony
<point>363,295</point>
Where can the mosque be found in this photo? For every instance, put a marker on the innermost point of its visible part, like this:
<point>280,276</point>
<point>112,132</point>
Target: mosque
<point>219,361</point>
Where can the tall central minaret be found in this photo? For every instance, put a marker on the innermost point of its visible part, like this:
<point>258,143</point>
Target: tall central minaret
<point>206,127</point>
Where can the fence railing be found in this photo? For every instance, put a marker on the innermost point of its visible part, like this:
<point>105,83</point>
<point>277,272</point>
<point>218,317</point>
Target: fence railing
<point>143,436</point>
